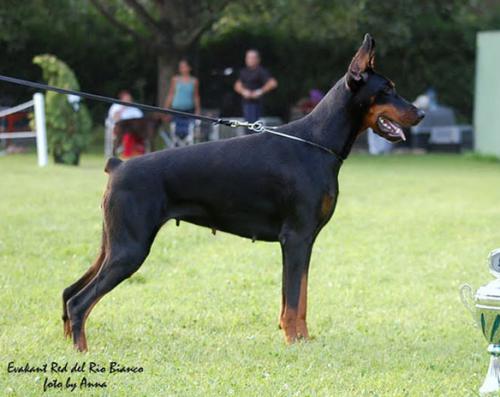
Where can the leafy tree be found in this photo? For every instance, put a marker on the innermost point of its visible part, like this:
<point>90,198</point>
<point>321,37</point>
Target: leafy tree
<point>419,44</point>
<point>135,44</point>
<point>166,28</point>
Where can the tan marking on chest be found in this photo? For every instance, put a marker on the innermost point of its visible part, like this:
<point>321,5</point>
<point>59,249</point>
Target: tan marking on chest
<point>327,203</point>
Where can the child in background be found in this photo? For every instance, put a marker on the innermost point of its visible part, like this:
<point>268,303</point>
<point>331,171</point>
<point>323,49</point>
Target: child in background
<point>132,145</point>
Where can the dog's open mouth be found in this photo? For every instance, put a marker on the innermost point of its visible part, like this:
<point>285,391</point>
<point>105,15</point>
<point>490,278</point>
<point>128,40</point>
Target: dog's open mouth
<point>391,130</point>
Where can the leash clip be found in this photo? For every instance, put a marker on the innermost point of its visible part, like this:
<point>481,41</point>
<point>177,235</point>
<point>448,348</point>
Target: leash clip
<point>257,126</point>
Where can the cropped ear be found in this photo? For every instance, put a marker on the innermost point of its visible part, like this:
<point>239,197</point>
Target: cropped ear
<point>363,60</point>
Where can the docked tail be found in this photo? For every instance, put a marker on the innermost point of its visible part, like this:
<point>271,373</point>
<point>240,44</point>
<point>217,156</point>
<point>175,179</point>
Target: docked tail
<point>111,164</point>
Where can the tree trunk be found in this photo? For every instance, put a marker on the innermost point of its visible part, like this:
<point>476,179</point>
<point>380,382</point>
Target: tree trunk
<point>167,67</point>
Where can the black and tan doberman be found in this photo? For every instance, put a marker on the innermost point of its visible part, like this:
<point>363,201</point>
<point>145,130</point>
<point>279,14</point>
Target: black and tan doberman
<point>260,186</point>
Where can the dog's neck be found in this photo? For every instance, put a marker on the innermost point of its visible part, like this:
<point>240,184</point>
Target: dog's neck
<point>335,122</point>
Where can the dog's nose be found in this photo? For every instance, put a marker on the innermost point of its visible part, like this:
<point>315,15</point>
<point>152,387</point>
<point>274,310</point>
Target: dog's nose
<point>420,114</point>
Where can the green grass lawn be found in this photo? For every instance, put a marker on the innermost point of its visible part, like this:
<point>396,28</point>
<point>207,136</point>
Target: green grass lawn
<point>201,315</point>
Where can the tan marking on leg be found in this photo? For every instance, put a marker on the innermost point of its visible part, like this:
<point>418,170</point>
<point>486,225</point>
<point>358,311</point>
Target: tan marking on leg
<point>81,344</point>
<point>302,313</point>
<point>67,328</point>
<point>289,324</point>
<point>84,280</point>
<point>282,313</point>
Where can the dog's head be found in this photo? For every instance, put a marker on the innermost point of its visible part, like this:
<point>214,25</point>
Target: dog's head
<point>384,111</point>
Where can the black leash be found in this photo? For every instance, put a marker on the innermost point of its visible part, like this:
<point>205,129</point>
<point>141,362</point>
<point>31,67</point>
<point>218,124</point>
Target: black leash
<point>101,98</point>
<point>258,126</point>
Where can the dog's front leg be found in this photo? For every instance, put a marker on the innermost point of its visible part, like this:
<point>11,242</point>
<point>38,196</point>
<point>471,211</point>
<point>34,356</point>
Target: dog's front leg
<point>296,251</point>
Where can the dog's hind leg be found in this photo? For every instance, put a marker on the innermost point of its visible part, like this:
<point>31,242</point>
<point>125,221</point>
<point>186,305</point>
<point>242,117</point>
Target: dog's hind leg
<point>78,285</point>
<point>131,224</point>
<point>120,264</point>
<point>74,288</point>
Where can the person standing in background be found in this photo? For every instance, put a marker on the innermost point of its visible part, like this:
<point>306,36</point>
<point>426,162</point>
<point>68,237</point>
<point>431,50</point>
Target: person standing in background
<point>183,95</point>
<point>254,81</point>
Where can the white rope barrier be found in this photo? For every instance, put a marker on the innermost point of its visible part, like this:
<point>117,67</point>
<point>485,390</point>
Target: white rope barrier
<point>40,132</point>
<point>17,108</point>
<point>18,134</point>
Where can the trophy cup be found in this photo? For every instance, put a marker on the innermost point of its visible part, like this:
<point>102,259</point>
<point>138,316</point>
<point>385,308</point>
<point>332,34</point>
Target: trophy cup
<point>484,305</point>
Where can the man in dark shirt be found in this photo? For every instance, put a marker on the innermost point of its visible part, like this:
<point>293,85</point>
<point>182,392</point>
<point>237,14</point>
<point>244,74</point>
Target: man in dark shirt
<point>254,81</point>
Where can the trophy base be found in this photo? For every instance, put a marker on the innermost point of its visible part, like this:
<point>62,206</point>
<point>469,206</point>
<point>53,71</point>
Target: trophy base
<point>491,384</point>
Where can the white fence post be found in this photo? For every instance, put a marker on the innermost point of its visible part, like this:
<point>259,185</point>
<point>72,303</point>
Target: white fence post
<point>41,133</point>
